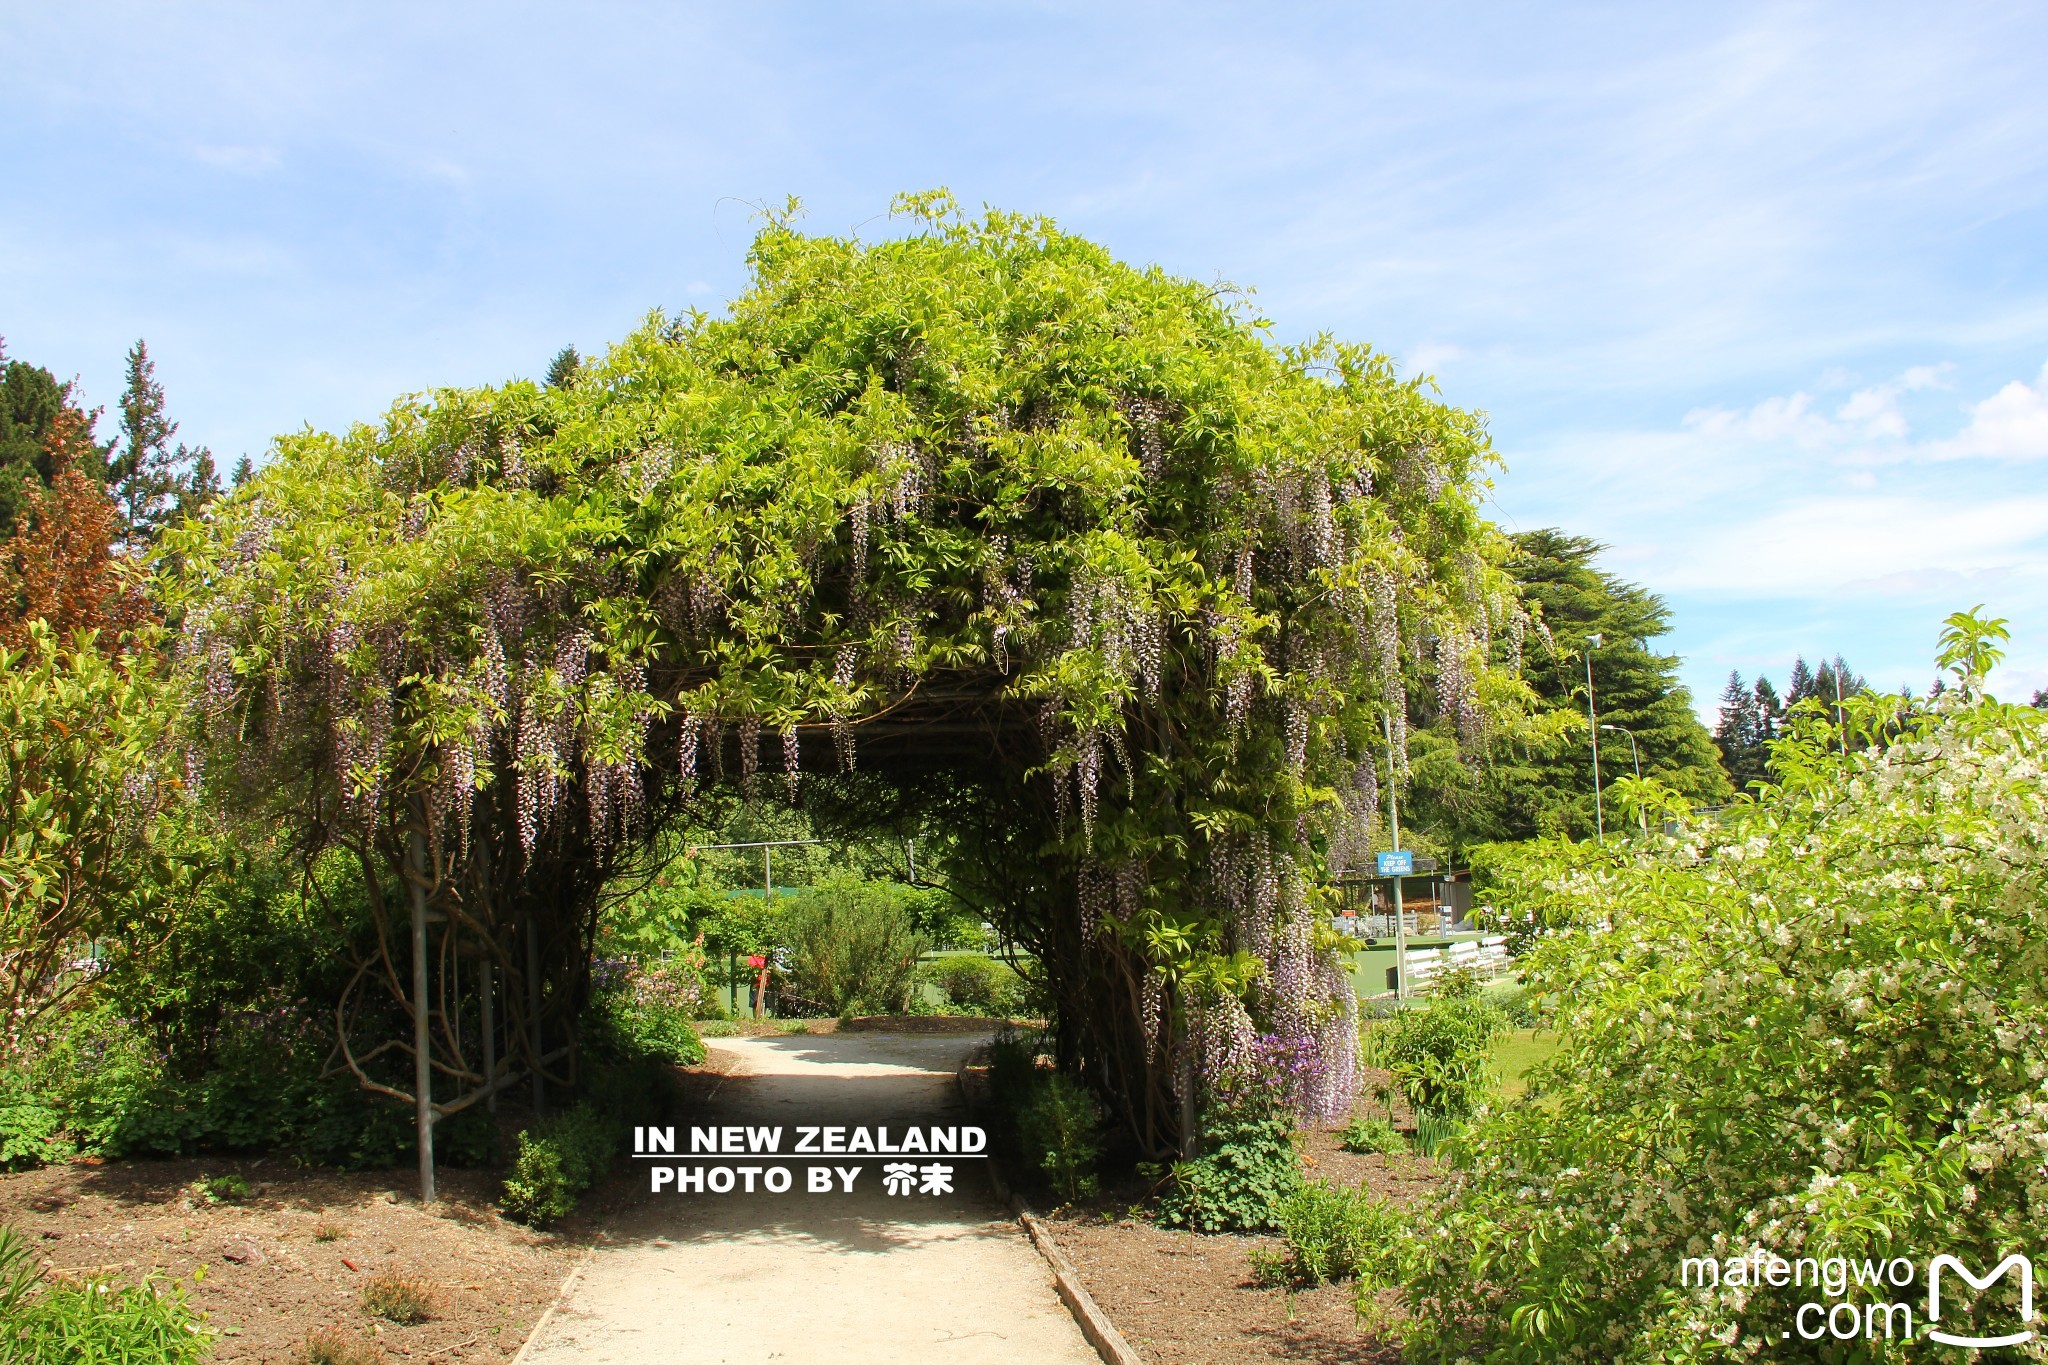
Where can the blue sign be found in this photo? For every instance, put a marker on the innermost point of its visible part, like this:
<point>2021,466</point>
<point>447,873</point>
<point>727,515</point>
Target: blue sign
<point>1400,864</point>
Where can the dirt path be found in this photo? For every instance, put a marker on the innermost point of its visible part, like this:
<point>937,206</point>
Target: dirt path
<point>847,1279</point>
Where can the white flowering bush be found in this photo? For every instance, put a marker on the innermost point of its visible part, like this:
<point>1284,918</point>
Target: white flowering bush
<point>1813,1028</point>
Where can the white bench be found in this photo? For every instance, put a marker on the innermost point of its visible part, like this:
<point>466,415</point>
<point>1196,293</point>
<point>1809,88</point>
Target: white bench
<point>1493,952</point>
<point>1423,964</point>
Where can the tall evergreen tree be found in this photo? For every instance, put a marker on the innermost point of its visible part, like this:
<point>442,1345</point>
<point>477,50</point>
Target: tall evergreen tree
<point>1739,735</point>
<point>1541,780</point>
<point>199,484</point>
<point>564,368</point>
<point>152,483</point>
<point>245,469</point>
<point>1770,712</point>
<point>1799,686</point>
<point>140,475</point>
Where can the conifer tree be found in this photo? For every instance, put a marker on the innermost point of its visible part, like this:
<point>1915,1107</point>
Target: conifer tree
<point>1540,780</point>
<point>564,368</point>
<point>1770,713</point>
<point>141,475</point>
<point>1742,753</point>
<point>151,483</point>
<point>200,484</point>
<point>245,469</point>
<point>1800,685</point>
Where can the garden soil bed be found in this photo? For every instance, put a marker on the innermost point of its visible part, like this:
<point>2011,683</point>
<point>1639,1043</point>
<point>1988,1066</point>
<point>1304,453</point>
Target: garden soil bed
<point>1183,1298</point>
<point>270,1278</point>
<point>275,1271</point>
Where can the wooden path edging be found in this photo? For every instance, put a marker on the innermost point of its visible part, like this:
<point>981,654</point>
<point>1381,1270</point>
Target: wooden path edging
<point>1088,1315</point>
<point>561,1294</point>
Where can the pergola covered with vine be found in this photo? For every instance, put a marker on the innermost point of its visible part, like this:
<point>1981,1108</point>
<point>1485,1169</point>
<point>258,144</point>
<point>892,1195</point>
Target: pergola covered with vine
<point>976,527</point>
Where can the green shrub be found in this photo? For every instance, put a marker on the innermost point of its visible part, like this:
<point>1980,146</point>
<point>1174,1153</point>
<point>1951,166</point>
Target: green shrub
<point>853,946</point>
<point>1810,1028</point>
<point>1375,1134</point>
<point>1441,1053</point>
<point>1057,1125</point>
<point>95,1322</point>
<point>557,1160</point>
<point>1335,1233</point>
<point>973,984</point>
<point>1013,1066</point>
<point>31,1130</point>
<point>1247,1166</point>
<point>645,1014</point>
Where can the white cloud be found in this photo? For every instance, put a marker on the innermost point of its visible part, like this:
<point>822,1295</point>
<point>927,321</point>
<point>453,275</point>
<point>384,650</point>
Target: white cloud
<point>1870,427</point>
<point>2012,424</point>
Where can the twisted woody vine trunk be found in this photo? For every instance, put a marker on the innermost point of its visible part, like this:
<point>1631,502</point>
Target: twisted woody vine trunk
<point>977,528</point>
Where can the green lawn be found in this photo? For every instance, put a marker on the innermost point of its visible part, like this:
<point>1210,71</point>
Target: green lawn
<point>1515,1053</point>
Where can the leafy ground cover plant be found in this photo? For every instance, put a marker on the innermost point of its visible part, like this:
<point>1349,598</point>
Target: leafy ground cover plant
<point>1247,1167</point>
<point>1330,1233</point>
<point>1812,1028</point>
<point>92,1321</point>
<point>1374,1134</point>
<point>231,1188</point>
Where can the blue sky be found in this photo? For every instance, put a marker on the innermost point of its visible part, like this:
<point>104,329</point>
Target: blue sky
<point>1756,294</point>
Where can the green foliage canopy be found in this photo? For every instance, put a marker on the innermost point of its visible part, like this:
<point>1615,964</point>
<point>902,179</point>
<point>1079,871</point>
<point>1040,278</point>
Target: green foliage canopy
<point>1814,1028</point>
<point>1058,551</point>
<point>1536,777</point>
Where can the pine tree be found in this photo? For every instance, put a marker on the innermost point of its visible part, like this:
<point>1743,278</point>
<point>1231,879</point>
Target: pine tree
<point>1543,783</point>
<point>1835,681</point>
<point>1735,731</point>
<point>200,484</point>
<point>1800,685</point>
<point>564,368</point>
<point>245,469</point>
<point>141,475</point>
<point>1770,713</point>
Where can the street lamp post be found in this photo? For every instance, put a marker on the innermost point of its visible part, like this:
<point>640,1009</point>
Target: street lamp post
<point>1635,757</point>
<point>1593,723</point>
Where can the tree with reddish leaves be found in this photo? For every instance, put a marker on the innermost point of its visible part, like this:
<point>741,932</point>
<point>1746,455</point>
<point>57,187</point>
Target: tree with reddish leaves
<point>60,564</point>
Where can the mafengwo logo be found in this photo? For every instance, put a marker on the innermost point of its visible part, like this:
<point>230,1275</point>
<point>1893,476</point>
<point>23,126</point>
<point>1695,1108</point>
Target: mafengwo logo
<point>2012,1262</point>
<point>1852,1316</point>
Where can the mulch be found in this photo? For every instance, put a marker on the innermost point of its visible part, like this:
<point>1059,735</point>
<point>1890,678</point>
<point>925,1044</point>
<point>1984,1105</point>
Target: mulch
<point>269,1280</point>
<point>1186,1298</point>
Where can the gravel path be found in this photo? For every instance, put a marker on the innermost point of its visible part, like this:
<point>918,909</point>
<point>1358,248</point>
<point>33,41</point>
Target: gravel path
<point>847,1279</point>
